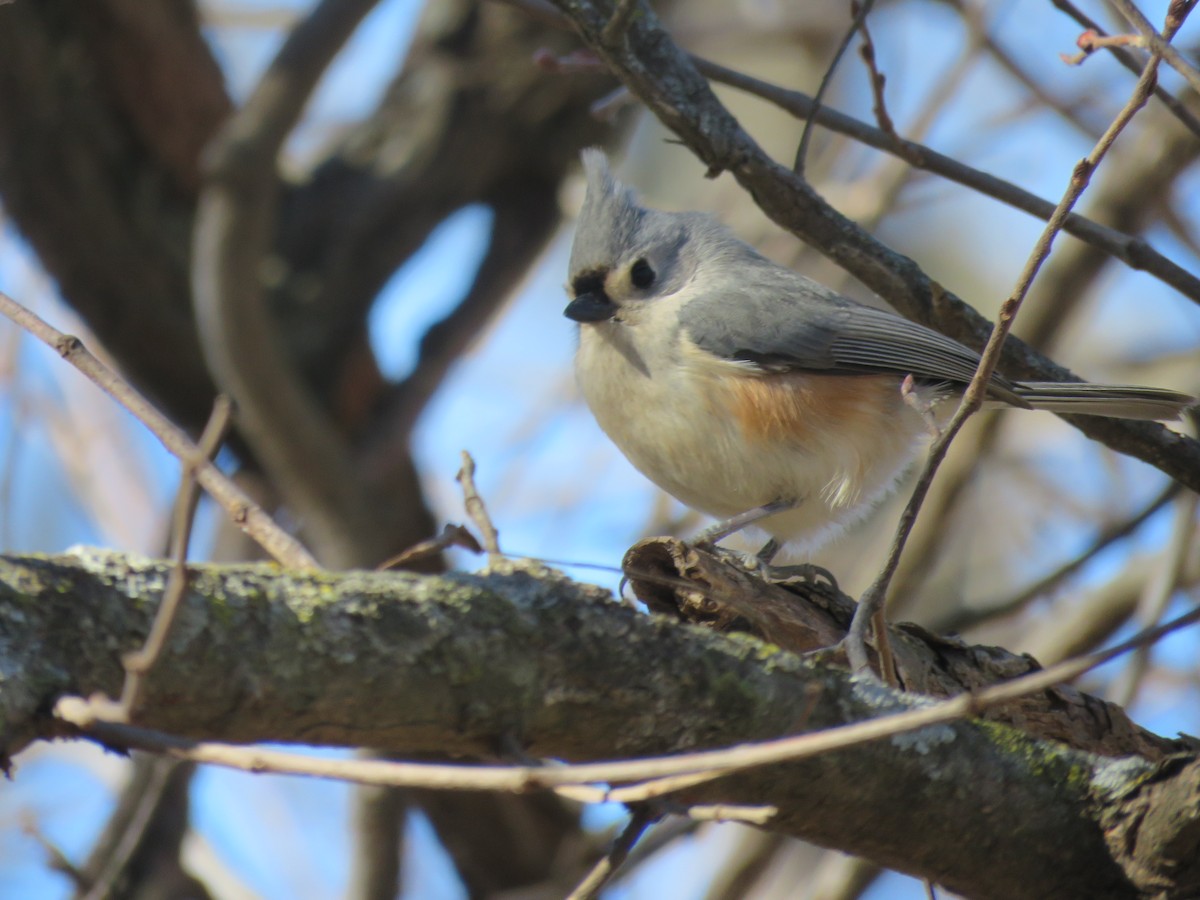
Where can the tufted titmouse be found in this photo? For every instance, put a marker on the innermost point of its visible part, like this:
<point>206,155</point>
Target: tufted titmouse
<point>737,385</point>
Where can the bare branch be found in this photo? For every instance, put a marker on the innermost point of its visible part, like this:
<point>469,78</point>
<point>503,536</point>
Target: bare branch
<point>606,868</point>
<point>138,665</point>
<point>476,508</point>
<point>860,13</point>
<point>242,511</point>
<point>1159,45</point>
<point>417,641</point>
<point>235,222</point>
<point>1134,64</point>
<point>872,605</point>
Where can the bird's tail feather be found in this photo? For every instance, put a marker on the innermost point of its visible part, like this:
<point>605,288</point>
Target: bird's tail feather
<point>1117,401</point>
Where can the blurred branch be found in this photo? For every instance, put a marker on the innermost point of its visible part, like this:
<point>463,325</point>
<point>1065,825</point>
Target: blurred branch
<point>357,627</point>
<point>506,842</point>
<point>607,867</point>
<point>104,189</point>
<point>664,78</point>
<point>756,851</point>
<point>235,223</point>
<point>962,618</point>
<point>841,877</point>
<point>391,179</point>
<point>1084,622</point>
<point>55,858</point>
<point>1066,109</point>
<point>928,541</point>
<point>1157,593</point>
<point>137,856</point>
<point>524,221</point>
<point>164,77</point>
<point>1130,197</point>
<point>376,868</point>
<point>237,504</point>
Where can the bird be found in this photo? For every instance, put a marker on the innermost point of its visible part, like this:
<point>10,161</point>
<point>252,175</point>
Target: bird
<point>754,394</point>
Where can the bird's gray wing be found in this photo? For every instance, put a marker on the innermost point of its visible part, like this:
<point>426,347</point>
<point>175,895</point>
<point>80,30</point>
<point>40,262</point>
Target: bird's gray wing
<point>788,322</point>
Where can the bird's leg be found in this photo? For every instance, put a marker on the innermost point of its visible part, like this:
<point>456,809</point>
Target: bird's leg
<point>761,561</point>
<point>769,551</point>
<point>723,529</point>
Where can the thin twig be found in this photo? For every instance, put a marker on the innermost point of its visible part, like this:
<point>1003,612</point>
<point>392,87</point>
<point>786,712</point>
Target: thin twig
<point>1177,11</point>
<point>1130,249</point>
<point>1157,595</point>
<point>243,511</point>
<point>872,605</point>
<point>475,506</point>
<point>860,16</point>
<point>1090,41</point>
<point>604,870</point>
<point>615,29</point>
<point>723,812</point>
<point>451,536</point>
<point>703,765</point>
<point>894,173</point>
<point>139,663</point>
<point>1134,64</point>
<point>58,861</point>
<point>878,79</point>
<point>966,618</point>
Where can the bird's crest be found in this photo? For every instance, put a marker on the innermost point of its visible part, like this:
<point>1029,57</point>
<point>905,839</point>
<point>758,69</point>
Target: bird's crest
<point>609,218</point>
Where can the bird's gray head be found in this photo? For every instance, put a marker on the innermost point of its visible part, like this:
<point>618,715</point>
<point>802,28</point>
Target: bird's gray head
<point>625,255</point>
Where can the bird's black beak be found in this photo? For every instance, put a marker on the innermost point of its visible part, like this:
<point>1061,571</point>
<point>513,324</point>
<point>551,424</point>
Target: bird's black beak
<point>591,306</point>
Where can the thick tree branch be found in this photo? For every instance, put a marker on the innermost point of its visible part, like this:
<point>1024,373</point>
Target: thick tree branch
<point>467,82</point>
<point>99,188</point>
<point>463,664</point>
<point>673,578</point>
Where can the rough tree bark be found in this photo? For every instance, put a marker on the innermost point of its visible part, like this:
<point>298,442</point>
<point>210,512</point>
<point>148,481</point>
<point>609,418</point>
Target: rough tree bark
<point>466,664</point>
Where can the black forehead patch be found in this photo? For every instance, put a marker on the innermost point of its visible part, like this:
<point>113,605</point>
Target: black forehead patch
<point>588,283</point>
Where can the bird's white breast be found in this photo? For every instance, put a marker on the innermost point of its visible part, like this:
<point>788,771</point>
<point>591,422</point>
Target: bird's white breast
<point>672,410</point>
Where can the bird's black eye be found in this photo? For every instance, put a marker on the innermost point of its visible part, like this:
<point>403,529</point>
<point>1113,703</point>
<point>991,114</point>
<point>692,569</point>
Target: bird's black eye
<point>641,274</point>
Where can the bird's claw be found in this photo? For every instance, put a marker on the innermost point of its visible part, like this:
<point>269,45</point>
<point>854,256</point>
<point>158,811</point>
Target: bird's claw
<point>806,574</point>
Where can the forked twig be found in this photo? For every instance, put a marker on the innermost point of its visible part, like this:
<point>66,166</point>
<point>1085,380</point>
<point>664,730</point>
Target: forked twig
<point>872,605</point>
<point>475,506</point>
<point>606,868</point>
<point>139,663</point>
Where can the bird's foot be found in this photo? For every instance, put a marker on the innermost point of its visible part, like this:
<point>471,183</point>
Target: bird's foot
<point>801,574</point>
